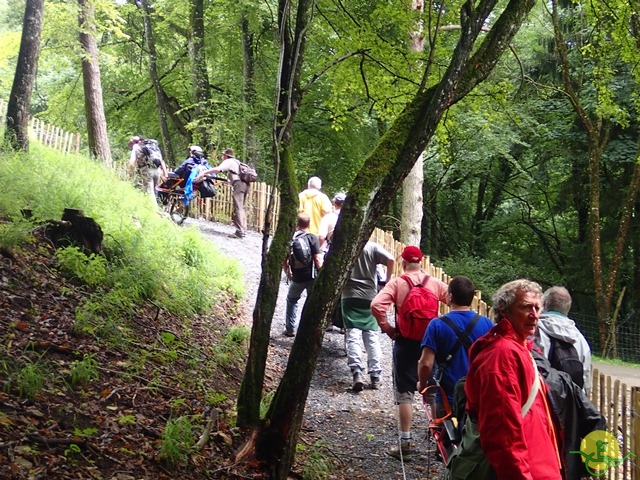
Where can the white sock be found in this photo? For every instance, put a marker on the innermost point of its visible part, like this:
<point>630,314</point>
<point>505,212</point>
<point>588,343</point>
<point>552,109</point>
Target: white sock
<point>405,436</point>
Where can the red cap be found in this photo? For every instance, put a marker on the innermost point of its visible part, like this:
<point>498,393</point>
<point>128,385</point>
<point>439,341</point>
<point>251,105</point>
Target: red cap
<point>411,254</point>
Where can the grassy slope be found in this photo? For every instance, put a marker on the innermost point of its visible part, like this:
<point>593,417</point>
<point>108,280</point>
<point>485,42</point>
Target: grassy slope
<point>119,357</point>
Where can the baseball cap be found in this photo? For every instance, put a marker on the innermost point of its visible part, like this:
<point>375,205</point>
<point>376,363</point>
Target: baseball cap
<point>411,254</point>
<point>339,198</point>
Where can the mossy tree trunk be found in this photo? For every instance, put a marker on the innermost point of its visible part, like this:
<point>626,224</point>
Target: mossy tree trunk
<point>199,75</point>
<point>288,100</point>
<point>373,188</point>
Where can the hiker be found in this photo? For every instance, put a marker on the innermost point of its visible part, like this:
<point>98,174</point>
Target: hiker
<point>231,166</point>
<point>406,351</point>
<point>556,331</point>
<point>196,158</point>
<point>448,338</point>
<point>505,395</point>
<point>149,174</point>
<point>300,267</point>
<point>361,327</point>
<point>328,222</point>
<point>314,203</point>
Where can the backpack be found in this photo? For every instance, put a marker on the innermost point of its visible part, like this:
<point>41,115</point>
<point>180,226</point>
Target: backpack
<point>300,248</point>
<point>246,172</point>
<point>563,356</point>
<point>152,153</point>
<point>206,188</point>
<point>418,308</point>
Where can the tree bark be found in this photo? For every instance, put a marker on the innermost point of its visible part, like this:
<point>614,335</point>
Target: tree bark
<point>374,186</point>
<point>412,199</point>
<point>199,75</point>
<point>93,104</point>
<point>155,80</point>
<point>249,91</point>
<point>16,132</point>
<point>288,100</point>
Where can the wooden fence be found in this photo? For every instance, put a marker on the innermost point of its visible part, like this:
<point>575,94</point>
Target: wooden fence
<point>49,135</point>
<point>620,405</point>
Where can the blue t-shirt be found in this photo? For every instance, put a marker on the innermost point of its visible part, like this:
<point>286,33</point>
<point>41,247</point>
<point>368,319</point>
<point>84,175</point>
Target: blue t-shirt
<point>441,338</point>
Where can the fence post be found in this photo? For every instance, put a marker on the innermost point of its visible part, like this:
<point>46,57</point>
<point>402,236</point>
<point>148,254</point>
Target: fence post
<point>635,431</point>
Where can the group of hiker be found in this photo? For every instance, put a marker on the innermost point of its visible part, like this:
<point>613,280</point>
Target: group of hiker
<point>148,167</point>
<point>520,380</point>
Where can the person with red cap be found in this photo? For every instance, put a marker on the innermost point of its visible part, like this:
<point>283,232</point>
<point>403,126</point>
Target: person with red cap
<point>406,351</point>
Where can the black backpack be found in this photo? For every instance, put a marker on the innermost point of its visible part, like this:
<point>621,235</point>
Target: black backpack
<point>152,153</point>
<point>563,356</point>
<point>300,248</point>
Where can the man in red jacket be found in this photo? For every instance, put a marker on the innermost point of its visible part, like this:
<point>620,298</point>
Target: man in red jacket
<point>510,407</point>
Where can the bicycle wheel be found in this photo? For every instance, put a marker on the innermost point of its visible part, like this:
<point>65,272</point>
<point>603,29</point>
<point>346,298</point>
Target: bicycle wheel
<point>178,211</point>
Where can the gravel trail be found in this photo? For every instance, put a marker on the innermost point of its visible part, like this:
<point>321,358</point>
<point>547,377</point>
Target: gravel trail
<point>356,428</point>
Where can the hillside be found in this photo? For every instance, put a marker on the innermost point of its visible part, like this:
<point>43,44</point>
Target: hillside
<point>75,406</point>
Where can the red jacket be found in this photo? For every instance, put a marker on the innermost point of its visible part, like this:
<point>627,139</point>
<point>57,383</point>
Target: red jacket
<point>500,377</point>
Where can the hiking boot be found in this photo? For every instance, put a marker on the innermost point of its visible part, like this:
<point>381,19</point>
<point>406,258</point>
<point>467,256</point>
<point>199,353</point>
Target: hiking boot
<point>358,382</point>
<point>403,452</point>
<point>288,333</point>
<point>375,382</point>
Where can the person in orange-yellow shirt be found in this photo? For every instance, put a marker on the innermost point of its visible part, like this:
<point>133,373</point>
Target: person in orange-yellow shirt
<point>314,203</point>
<point>406,352</point>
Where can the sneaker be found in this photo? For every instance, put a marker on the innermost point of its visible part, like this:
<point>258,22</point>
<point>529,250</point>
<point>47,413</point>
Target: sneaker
<point>358,382</point>
<point>288,333</point>
<point>375,382</point>
<point>403,452</point>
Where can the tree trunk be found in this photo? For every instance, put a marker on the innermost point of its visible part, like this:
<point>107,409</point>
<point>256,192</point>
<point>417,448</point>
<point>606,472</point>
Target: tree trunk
<point>249,91</point>
<point>199,75</point>
<point>16,132</point>
<point>412,201</point>
<point>289,98</point>
<point>93,104</point>
<point>155,80</point>
<point>372,190</point>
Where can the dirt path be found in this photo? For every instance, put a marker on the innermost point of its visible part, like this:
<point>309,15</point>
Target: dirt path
<point>355,429</point>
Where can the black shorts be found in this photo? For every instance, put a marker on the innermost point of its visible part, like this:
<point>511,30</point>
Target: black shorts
<point>406,354</point>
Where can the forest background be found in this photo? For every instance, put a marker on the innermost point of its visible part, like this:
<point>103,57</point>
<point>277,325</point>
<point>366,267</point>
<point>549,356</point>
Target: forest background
<point>530,163</point>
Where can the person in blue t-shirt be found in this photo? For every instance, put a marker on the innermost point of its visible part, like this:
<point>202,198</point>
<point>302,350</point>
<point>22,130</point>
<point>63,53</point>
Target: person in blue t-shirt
<point>441,345</point>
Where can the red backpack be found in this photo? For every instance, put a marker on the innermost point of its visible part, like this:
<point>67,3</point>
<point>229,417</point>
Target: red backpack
<point>418,308</point>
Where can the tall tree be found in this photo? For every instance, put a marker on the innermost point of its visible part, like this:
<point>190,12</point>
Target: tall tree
<point>293,25</point>
<point>412,199</point>
<point>609,31</point>
<point>374,186</point>
<point>17,123</point>
<point>155,80</point>
<point>249,89</point>
<point>93,104</point>
<point>199,75</point>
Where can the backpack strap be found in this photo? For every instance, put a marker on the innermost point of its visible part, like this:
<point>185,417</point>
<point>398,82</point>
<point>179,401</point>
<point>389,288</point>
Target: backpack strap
<point>462,337</point>
<point>534,390</point>
<point>411,284</point>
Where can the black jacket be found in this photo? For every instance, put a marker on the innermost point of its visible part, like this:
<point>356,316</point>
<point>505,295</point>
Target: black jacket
<point>575,414</point>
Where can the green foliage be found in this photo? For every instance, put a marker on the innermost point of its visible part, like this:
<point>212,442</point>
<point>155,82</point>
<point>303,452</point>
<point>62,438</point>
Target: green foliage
<point>29,380</point>
<point>85,370</point>
<point>14,234</point>
<point>318,461</point>
<point>177,442</point>
<point>91,269</point>
<point>232,347</point>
